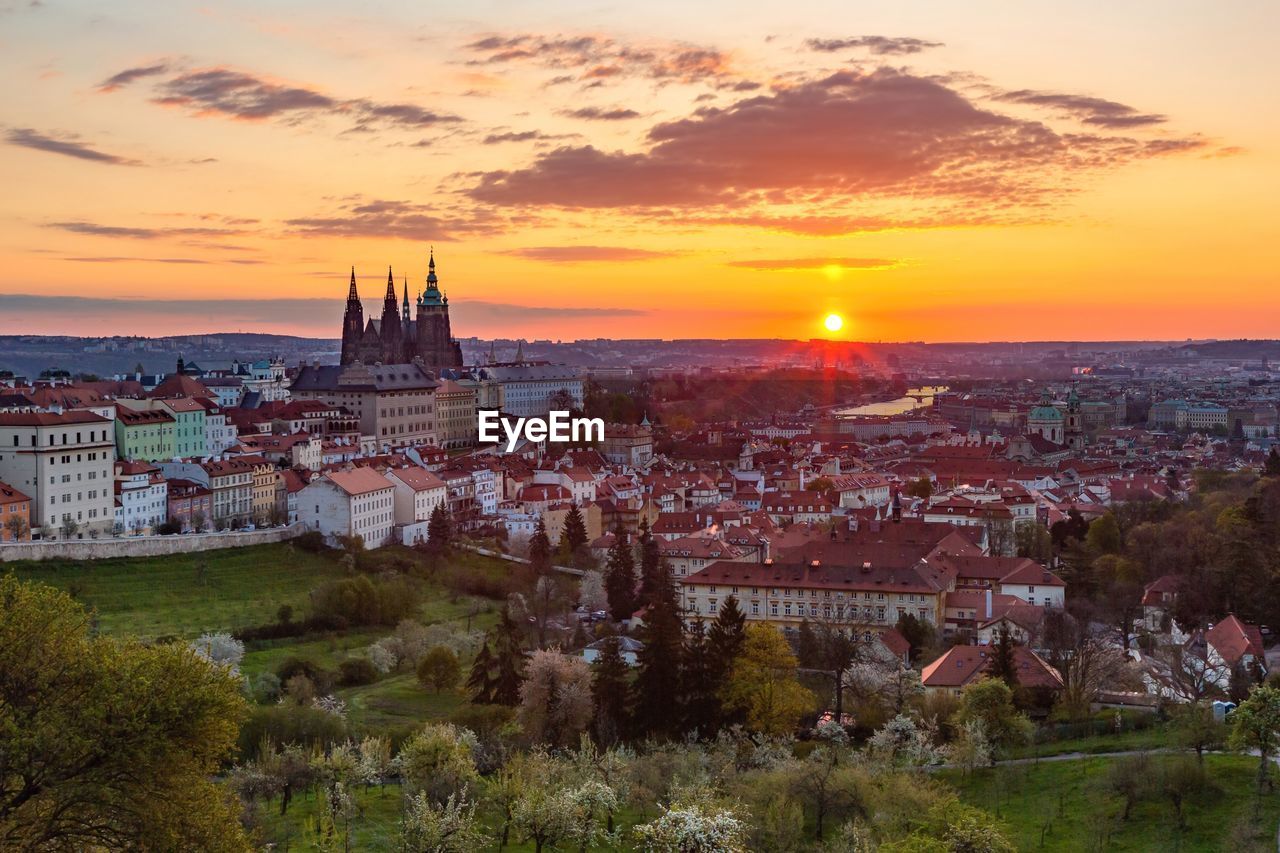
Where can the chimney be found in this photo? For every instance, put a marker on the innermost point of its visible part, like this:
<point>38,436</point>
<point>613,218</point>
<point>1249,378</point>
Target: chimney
<point>988,602</point>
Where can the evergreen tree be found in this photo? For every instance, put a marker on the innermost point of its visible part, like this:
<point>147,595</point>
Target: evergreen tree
<point>439,531</point>
<point>702,699</point>
<point>1272,466</point>
<point>655,575</point>
<point>1003,665</point>
<point>620,577</point>
<point>540,549</point>
<point>609,681</point>
<point>480,681</point>
<point>656,697</point>
<point>508,661</point>
<point>574,535</point>
<point>725,640</point>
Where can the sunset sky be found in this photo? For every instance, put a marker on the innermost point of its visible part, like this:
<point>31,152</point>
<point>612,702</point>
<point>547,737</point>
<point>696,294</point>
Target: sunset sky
<point>928,170</point>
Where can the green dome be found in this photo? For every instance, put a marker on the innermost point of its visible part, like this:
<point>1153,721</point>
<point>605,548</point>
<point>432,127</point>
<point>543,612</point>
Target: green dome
<point>1044,413</point>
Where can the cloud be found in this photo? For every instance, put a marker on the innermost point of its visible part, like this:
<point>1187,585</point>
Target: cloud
<point>96,229</point>
<point>845,137</point>
<point>66,145</point>
<point>601,113</point>
<point>598,58</point>
<point>244,96</point>
<point>229,314</point>
<point>112,259</point>
<point>816,264</point>
<point>585,254</point>
<point>878,45</point>
<point>523,136</point>
<point>123,78</point>
<point>398,219</point>
<point>1098,112</point>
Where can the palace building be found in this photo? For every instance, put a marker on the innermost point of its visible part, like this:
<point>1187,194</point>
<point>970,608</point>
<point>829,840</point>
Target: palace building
<point>397,337</point>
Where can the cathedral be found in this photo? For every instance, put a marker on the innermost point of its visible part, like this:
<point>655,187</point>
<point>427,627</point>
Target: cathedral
<point>398,338</point>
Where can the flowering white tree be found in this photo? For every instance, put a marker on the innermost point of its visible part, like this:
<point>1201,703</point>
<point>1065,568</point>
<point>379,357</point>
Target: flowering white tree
<point>221,648</point>
<point>591,592</point>
<point>448,828</point>
<point>904,742</point>
<point>972,749</point>
<point>694,828</point>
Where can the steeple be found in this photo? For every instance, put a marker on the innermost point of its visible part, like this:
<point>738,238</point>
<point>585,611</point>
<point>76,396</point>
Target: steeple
<point>405,305</point>
<point>391,287</point>
<point>353,293</point>
<point>352,324</point>
<point>520,352</point>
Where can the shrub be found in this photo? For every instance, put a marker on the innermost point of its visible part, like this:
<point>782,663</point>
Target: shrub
<point>319,676</point>
<point>312,542</point>
<point>285,724</point>
<point>439,669</point>
<point>353,672</point>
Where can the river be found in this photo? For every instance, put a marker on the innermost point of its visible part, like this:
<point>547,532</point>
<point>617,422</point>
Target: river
<point>899,406</point>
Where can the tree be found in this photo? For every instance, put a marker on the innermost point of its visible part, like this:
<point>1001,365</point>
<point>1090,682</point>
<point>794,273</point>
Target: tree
<point>918,633</point>
<point>1003,665</point>
<point>609,688</point>
<point>480,679</point>
<point>725,639</point>
<point>591,592</point>
<point>438,761</point>
<point>1087,664</point>
<point>620,577</point>
<point>439,531</point>
<point>17,526</point>
<point>694,827</point>
<point>698,677</point>
<point>555,698</point>
<point>508,660</point>
<point>991,701</point>
<point>1104,535</point>
<point>69,527</point>
<point>439,669</point>
<point>830,786</point>
<point>831,646</point>
<point>762,683</point>
<point>574,534</point>
<point>1255,726</point>
<point>449,828</point>
<point>92,727</point>
<point>540,549</point>
<point>1197,729</point>
<point>1271,468</point>
<point>655,575</point>
<point>1129,777</point>
<point>656,694</point>
<point>546,602</point>
<point>921,488</point>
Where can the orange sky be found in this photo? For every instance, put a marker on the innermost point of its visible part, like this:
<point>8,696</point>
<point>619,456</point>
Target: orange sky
<point>930,171</point>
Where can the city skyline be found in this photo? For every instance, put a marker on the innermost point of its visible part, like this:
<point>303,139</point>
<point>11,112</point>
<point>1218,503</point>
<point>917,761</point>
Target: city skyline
<point>930,174</point>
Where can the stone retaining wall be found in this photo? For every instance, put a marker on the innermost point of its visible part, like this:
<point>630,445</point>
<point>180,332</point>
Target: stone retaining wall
<point>142,546</point>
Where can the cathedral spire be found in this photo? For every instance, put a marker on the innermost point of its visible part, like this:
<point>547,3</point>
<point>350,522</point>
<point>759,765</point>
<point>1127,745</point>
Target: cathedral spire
<point>391,286</point>
<point>353,293</point>
<point>405,305</point>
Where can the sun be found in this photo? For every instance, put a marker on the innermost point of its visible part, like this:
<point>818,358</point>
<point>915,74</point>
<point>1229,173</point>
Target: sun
<point>833,322</point>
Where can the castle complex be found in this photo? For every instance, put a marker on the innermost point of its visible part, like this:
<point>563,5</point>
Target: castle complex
<point>398,338</point>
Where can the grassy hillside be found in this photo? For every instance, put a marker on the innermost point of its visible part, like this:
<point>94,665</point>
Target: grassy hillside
<point>1067,806</point>
<point>186,594</point>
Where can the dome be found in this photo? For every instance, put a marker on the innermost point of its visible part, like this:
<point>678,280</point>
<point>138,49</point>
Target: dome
<point>1044,413</point>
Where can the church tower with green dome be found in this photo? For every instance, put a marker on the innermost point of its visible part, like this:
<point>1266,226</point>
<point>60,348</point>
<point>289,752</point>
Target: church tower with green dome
<point>1046,420</point>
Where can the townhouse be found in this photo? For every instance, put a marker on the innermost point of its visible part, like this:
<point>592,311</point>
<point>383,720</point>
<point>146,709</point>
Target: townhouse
<point>63,461</point>
<point>359,502</point>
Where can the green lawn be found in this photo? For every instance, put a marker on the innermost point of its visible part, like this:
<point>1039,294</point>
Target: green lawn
<point>187,594</point>
<point>1155,737</point>
<point>397,702</point>
<point>1066,806</point>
